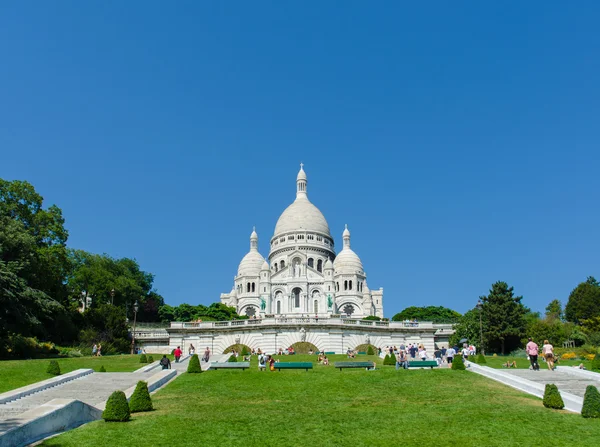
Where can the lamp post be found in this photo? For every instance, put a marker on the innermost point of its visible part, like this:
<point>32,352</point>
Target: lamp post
<point>135,310</point>
<point>112,296</point>
<point>480,308</point>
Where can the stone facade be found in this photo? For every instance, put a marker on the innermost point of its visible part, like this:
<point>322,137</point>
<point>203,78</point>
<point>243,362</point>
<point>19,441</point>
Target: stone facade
<point>303,275</point>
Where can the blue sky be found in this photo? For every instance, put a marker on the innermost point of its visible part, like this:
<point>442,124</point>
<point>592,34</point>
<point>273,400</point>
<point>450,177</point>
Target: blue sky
<point>460,143</point>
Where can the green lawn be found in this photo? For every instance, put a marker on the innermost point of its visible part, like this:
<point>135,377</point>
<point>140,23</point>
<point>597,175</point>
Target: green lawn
<point>523,363</point>
<point>18,373</point>
<point>327,407</point>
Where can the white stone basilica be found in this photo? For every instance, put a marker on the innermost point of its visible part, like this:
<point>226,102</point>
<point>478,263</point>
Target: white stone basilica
<point>303,275</point>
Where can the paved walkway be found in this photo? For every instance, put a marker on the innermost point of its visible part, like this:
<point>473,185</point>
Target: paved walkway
<point>564,381</point>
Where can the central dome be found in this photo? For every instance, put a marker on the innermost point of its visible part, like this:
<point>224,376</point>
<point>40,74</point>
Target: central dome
<point>302,214</point>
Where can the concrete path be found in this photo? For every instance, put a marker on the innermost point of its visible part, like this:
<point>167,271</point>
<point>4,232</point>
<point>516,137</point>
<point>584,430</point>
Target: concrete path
<point>564,381</point>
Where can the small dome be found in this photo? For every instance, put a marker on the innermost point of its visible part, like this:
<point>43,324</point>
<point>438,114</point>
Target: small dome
<point>265,265</point>
<point>328,264</point>
<point>301,173</point>
<point>346,232</point>
<point>251,264</point>
<point>347,262</point>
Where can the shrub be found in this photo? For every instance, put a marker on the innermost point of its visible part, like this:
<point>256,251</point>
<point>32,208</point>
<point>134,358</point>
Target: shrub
<point>245,351</point>
<point>552,398</point>
<point>481,359</point>
<point>53,368</point>
<point>150,359</point>
<point>232,358</point>
<point>370,351</point>
<point>194,365</point>
<point>458,364</point>
<point>117,408</point>
<point>591,403</point>
<point>389,360</point>
<point>140,399</point>
<point>596,363</point>
<point>143,358</point>
<point>102,369</point>
<point>472,359</point>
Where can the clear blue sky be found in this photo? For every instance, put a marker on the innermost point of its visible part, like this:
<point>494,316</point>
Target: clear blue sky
<point>460,144</point>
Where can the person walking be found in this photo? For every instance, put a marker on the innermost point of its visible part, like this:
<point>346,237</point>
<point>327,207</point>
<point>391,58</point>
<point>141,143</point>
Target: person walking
<point>177,354</point>
<point>206,354</point>
<point>532,351</point>
<point>191,349</point>
<point>548,353</point>
<point>165,362</point>
<point>262,362</point>
<point>95,350</point>
<point>450,353</point>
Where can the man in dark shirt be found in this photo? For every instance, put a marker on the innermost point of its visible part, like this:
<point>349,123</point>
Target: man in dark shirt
<point>413,351</point>
<point>165,362</point>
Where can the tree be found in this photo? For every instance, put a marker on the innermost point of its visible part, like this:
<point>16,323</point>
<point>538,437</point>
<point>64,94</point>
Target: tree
<point>437,314</point>
<point>554,310</point>
<point>584,301</point>
<point>467,327</point>
<point>504,317</point>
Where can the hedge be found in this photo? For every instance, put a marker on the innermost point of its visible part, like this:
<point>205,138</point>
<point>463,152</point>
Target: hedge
<point>117,408</point>
<point>552,398</point>
<point>53,368</point>
<point>457,363</point>
<point>591,403</point>
<point>140,399</point>
<point>194,365</point>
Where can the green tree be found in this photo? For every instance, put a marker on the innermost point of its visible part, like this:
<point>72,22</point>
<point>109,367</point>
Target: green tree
<point>584,301</point>
<point>554,310</point>
<point>437,314</point>
<point>467,327</point>
<point>504,317</point>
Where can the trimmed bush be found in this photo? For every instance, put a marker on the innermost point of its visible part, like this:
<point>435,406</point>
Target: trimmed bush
<point>591,403</point>
<point>102,369</point>
<point>140,399</point>
<point>552,398</point>
<point>245,351</point>
<point>143,358</point>
<point>117,408</point>
<point>472,359</point>
<point>457,363</point>
<point>53,368</point>
<point>194,365</point>
<point>389,360</point>
<point>232,358</point>
<point>481,359</point>
<point>370,351</point>
<point>150,359</point>
<point>596,363</point>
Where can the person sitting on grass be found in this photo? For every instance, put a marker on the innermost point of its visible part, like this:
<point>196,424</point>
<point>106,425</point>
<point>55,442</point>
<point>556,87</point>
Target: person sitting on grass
<point>320,358</point>
<point>310,352</point>
<point>510,364</point>
<point>325,360</point>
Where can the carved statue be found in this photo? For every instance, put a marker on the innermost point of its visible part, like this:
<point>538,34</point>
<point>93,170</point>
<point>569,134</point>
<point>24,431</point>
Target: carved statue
<point>237,340</point>
<point>263,303</point>
<point>368,339</point>
<point>329,301</point>
<point>302,334</point>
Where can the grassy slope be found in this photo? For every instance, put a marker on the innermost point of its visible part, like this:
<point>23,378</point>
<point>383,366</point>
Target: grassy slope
<point>523,363</point>
<point>18,373</point>
<point>328,407</point>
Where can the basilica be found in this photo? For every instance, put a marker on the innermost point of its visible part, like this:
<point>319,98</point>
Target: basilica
<point>303,275</point>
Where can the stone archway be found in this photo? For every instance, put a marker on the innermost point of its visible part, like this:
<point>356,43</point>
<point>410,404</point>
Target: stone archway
<point>240,348</point>
<point>302,347</point>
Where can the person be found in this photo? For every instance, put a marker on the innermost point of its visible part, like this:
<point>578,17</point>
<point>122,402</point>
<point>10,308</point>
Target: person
<point>548,353</point>
<point>401,360</point>
<point>262,362</point>
<point>177,354</point>
<point>444,354</point>
<point>532,352</point>
<point>465,352</point>
<point>413,351</point>
<point>165,362</point>
<point>99,354</point>
<point>325,360</point>
<point>207,354</point>
<point>94,349</point>
<point>450,353</point>
<point>423,354</point>
<point>191,350</point>
<point>437,354</point>
<point>310,351</point>
<point>510,364</point>
<point>271,363</point>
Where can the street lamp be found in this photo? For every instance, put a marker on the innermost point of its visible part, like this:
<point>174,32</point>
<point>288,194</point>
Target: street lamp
<point>112,296</point>
<point>135,310</point>
<point>480,308</point>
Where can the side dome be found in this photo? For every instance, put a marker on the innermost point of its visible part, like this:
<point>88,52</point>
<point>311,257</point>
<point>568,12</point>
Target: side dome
<point>347,261</point>
<point>302,214</point>
<point>253,261</point>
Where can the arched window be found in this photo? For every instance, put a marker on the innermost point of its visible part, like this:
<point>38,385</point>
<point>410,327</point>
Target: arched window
<point>311,262</point>
<point>253,287</point>
<point>345,285</point>
<point>296,295</point>
<point>278,307</point>
<point>329,288</point>
<point>264,289</point>
<point>349,285</point>
<point>276,268</point>
<point>282,264</point>
<point>320,265</point>
<point>316,307</point>
<point>248,287</point>
<point>337,286</point>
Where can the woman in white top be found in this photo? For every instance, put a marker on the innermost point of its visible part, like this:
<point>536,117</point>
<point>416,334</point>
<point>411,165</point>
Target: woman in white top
<point>423,354</point>
<point>548,352</point>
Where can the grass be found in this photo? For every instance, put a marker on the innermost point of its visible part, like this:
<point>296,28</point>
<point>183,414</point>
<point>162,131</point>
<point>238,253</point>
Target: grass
<point>326,407</point>
<point>18,373</point>
<point>523,363</point>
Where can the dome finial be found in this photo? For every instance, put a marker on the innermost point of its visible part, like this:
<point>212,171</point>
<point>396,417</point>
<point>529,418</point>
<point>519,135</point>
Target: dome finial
<point>253,240</point>
<point>301,183</point>
<point>346,237</point>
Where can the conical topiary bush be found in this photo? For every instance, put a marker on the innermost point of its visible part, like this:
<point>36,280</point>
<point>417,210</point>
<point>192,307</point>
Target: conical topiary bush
<point>143,358</point>
<point>102,369</point>
<point>370,350</point>
<point>481,359</point>
<point>140,399</point>
<point>150,359</point>
<point>458,364</point>
<point>194,365</point>
<point>472,359</point>
<point>117,408</point>
<point>596,363</point>
<point>53,368</point>
<point>232,358</point>
<point>552,398</point>
<point>389,360</point>
<point>591,402</point>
